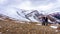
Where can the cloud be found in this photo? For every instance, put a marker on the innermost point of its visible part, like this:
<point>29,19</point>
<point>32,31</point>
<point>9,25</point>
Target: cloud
<point>45,5</point>
<point>29,4</point>
<point>25,5</point>
<point>41,2</point>
<point>3,2</point>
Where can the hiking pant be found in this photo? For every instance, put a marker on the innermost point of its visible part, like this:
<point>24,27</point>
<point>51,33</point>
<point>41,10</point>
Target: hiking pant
<point>45,23</point>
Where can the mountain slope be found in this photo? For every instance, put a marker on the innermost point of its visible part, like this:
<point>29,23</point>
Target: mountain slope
<point>9,27</point>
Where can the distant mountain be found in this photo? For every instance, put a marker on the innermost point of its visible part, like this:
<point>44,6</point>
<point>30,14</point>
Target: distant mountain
<point>6,18</point>
<point>56,15</point>
<point>26,15</point>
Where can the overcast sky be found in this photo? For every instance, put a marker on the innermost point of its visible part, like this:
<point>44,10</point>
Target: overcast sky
<point>7,6</point>
<point>31,4</point>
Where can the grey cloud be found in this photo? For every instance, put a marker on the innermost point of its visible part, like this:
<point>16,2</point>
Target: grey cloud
<point>42,2</point>
<point>11,2</point>
<point>33,2</point>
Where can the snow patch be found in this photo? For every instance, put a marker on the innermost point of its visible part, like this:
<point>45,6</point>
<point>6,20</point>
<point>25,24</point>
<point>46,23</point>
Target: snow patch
<point>56,31</point>
<point>22,22</point>
<point>38,24</point>
<point>54,27</point>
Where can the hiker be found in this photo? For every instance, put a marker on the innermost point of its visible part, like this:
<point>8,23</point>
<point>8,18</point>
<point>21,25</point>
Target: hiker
<point>44,21</point>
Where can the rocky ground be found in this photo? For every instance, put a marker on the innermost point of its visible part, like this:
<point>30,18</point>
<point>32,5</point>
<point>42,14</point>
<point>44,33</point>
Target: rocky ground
<point>12,27</point>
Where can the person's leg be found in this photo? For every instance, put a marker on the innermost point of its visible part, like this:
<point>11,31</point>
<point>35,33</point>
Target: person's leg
<point>43,23</point>
<point>46,23</point>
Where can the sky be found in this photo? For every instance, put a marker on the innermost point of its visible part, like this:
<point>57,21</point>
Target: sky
<point>7,7</point>
<point>30,4</point>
